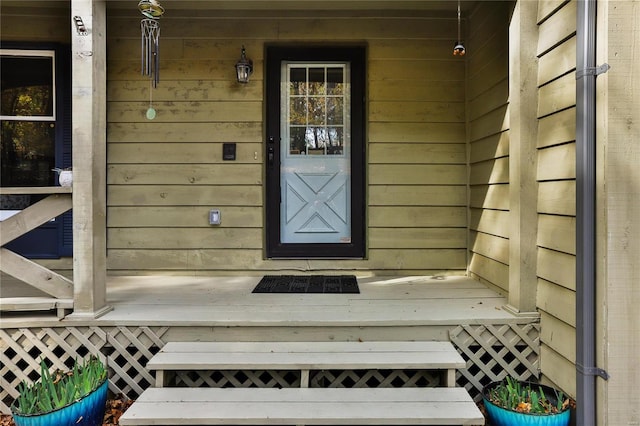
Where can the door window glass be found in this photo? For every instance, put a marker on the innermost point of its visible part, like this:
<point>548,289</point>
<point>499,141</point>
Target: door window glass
<point>316,119</point>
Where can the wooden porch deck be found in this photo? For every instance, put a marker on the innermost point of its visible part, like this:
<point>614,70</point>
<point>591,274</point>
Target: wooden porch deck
<point>228,301</point>
<point>149,311</point>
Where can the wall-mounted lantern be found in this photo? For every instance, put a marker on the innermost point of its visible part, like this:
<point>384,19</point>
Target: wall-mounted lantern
<point>244,67</point>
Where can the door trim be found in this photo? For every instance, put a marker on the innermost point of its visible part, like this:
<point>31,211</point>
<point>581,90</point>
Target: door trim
<point>356,56</point>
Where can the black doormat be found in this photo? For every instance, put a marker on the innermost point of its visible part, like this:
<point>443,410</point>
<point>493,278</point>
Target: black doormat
<point>307,284</point>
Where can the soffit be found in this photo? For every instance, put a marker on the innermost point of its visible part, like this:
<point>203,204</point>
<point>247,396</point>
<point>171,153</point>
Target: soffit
<point>368,5</point>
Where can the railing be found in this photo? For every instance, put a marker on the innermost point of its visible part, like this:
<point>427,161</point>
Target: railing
<point>58,287</point>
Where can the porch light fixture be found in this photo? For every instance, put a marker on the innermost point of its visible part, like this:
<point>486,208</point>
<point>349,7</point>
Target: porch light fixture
<point>244,67</point>
<point>458,48</point>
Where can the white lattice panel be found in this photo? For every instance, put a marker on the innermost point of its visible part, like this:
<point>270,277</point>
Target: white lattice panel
<point>126,351</point>
<point>494,351</point>
<point>238,379</point>
<point>318,379</point>
<point>374,378</point>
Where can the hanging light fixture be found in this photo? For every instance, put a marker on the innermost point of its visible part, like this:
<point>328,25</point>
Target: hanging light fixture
<point>458,48</point>
<point>244,67</point>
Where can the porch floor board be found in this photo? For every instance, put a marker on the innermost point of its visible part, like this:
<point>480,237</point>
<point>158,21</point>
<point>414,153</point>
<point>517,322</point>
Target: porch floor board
<point>229,301</point>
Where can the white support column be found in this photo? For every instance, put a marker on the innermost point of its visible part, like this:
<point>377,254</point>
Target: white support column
<point>523,187</point>
<point>618,211</point>
<point>89,158</point>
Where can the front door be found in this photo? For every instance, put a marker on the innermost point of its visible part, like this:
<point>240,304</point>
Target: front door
<point>315,155</point>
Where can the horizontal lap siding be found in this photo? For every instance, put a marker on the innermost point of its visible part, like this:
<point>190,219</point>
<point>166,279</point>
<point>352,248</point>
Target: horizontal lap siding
<point>164,175</point>
<point>556,192</point>
<point>417,155</point>
<point>42,24</point>
<point>488,89</point>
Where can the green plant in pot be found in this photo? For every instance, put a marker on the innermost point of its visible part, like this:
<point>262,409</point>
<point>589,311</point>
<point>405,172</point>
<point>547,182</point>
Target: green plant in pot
<point>61,398</point>
<point>514,402</point>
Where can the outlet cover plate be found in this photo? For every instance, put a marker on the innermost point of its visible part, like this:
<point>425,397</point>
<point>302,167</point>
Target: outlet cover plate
<point>214,217</point>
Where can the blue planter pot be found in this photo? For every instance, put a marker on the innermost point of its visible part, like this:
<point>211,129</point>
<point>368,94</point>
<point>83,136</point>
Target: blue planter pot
<point>503,417</point>
<point>88,411</point>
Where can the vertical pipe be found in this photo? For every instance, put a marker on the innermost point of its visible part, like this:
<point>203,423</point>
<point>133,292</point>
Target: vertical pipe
<point>585,212</point>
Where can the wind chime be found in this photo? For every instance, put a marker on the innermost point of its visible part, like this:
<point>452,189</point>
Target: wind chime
<point>458,48</point>
<point>150,43</point>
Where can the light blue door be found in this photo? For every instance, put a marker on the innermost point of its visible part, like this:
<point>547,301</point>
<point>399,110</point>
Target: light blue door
<point>315,153</point>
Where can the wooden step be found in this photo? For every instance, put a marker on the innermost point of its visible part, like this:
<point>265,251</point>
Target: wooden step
<point>306,356</point>
<point>297,406</point>
<point>15,304</point>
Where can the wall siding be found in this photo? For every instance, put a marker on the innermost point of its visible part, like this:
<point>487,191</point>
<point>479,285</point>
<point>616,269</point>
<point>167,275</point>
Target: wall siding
<point>42,24</point>
<point>165,175</point>
<point>488,92</point>
<point>556,191</point>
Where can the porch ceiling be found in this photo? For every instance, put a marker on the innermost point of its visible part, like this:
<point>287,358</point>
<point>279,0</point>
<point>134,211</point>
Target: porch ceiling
<point>445,5</point>
<point>369,5</point>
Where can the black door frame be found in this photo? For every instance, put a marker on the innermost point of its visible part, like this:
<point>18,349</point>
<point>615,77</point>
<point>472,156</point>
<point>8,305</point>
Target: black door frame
<point>356,56</point>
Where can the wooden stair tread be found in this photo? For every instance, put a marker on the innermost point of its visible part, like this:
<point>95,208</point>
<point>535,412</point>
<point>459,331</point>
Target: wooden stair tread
<point>319,406</point>
<point>306,355</point>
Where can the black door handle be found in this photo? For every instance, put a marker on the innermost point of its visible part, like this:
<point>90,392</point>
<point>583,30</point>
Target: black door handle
<point>271,152</point>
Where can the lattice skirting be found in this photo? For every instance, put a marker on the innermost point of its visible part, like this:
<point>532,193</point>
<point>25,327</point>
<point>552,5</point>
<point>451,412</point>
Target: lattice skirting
<point>491,352</point>
<point>126,351</point>
<point>494,351</point>
<point>317,378</point>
